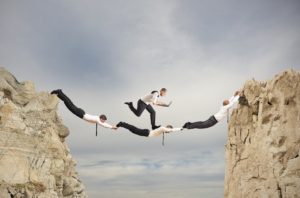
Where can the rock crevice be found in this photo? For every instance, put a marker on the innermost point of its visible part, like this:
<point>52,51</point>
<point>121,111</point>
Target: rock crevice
<point>35,160</point>
<point>263,146</point>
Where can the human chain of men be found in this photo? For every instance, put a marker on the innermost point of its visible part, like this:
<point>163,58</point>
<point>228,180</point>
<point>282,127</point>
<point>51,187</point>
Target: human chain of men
<point>145,103</point>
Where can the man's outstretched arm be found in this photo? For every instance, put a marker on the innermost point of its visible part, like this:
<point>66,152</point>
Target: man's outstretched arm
<point>162,104</point>
<point>106,125</point>
<point>233,100</point>
<point>95,119</point>
<point>176,129</point>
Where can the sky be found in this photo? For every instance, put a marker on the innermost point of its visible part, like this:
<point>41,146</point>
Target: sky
<point>104,53</point>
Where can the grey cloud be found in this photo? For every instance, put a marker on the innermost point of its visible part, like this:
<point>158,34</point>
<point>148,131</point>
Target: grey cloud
<point>103,53</point>
<point>59,42</point>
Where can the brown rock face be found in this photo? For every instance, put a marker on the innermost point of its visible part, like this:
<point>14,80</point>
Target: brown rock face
<point>35,161</point>
<point>263,146</point>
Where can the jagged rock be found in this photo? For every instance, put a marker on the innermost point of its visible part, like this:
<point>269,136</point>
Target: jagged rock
<point>35,161</point>
<point>4,192</point>
<point>263,146</point>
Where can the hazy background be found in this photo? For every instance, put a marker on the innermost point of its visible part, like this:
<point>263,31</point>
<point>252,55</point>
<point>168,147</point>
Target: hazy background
<point>103,53</point>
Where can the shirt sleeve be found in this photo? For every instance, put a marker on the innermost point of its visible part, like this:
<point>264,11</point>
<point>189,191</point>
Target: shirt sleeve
<point>154,97</point>
<point>90,118</point>
<point>176,129</point>
<point>160,102</point>
<point>231,98</point>
<point>232,101</point>
<point>105,124</point>
<point>96,119</point>
<point>167,130</point>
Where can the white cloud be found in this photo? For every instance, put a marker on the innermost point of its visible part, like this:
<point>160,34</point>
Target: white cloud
<point>156,175</point>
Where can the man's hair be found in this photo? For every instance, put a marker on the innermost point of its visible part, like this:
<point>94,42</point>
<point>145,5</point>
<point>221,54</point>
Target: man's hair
<point>163,89</point>
<point>225,102</point>
<point>103,117</point>
<point>169,126</point>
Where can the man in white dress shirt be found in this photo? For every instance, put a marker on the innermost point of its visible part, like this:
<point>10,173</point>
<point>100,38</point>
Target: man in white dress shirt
<point>101,120</point>
<point>147,132</point>
<point>214,119</point>
<point>146,102</point>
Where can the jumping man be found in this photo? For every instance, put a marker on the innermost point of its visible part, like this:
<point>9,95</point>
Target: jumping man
<point>145,103</point>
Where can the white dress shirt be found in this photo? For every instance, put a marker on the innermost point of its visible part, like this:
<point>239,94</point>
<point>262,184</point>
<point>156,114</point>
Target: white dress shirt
<point>224,110</point>
<point>160,130</point>
<point>96,119</point>
<point>150,98</point>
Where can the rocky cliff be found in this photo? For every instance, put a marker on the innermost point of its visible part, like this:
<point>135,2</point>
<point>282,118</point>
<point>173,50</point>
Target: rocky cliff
<point>35,161</point>
<point>263,146</point>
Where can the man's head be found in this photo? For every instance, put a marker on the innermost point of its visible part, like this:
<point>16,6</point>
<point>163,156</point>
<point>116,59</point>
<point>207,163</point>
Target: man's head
<point>103,118</point>
<point>163,92</point>
<point>169,126</point>
<point>225,102</point>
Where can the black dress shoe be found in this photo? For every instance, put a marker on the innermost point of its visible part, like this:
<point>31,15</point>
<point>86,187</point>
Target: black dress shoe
<point>56,91</point>
<point>119,124</point>
<point>128,103</point>
<point>155,127</point>
<point>186,125</point>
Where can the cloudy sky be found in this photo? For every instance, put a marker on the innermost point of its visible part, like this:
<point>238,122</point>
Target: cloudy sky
<point>103,53</point>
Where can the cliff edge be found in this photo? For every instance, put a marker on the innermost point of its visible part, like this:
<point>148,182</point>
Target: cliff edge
<point>35,161</point>
<point>263,146</point>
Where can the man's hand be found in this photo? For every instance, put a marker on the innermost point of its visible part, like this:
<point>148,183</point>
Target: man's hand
<point>169,104</point>
<point>114,128</point>
<point>237,93</point>
<point>242,93</point>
